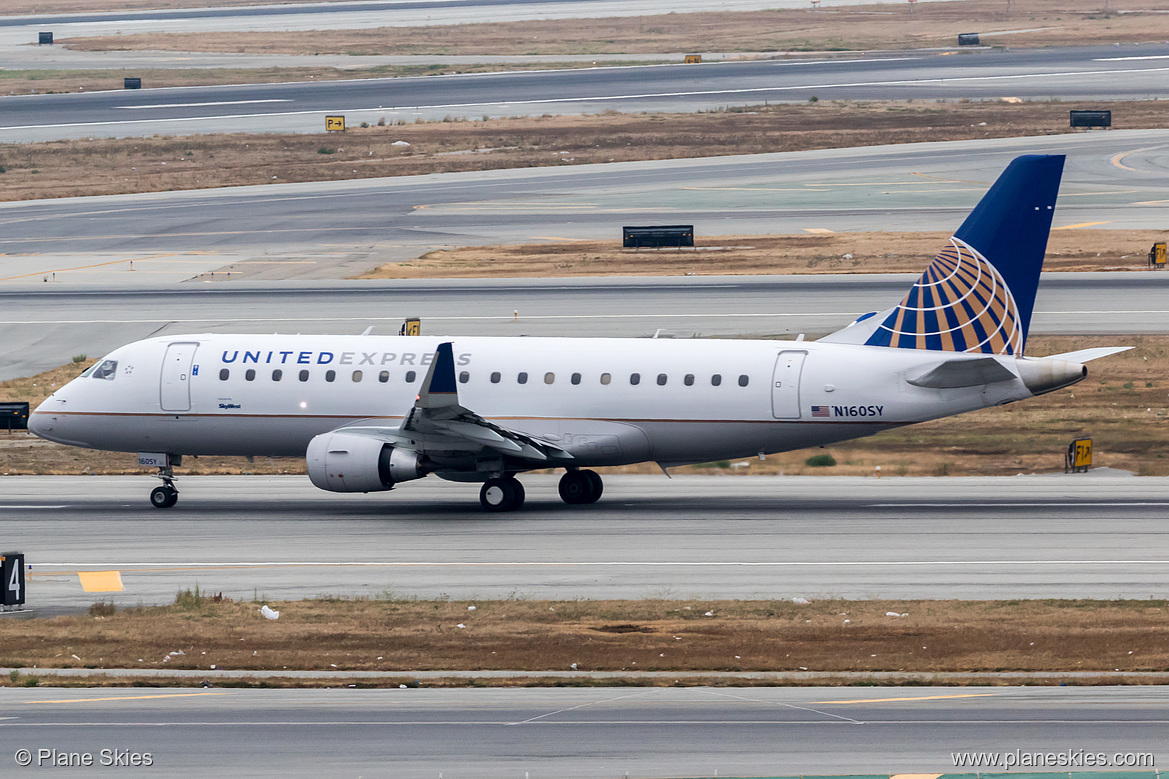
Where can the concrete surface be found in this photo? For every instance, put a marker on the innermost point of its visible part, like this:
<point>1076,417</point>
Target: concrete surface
<point>1088,536</point>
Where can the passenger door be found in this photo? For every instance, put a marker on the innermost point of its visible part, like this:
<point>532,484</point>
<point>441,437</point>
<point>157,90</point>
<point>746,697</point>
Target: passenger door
<point>785,385</point>
<point>175,387</point>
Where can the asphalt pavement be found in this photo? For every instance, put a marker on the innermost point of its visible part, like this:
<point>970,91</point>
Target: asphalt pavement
<point>1059,536</point>
<point>585,733</point>
<point>1098,72</point>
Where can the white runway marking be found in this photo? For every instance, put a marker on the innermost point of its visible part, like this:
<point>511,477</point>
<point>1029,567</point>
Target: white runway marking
<point>200,105</point>
<point>1017,504</point>
<point>1122,59</point>
<point>574,722</point>
<point>13,507</point>
<point>502,317</point>
<point>187,565</point>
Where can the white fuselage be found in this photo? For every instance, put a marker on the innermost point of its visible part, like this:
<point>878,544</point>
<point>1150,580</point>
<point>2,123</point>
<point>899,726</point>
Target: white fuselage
<point>216,394</point>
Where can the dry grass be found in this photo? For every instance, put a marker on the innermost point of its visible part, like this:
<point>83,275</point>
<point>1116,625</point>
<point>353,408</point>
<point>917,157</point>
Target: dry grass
<point>161,163</point>
<point>1122,405</point>
<point>652,635</point>
<point>842,28</point>
<point>875,252</point>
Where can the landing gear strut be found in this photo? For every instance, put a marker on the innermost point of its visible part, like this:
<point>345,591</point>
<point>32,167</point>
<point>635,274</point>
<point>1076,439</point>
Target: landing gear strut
<point>168,494</point>
<point>502,494</point>
<point>577,487</point>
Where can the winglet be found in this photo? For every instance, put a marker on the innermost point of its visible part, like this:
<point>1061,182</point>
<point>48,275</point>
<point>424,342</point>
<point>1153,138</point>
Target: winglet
<point>439,388</point>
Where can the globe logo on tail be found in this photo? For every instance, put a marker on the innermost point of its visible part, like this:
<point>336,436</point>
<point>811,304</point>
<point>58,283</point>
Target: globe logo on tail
<point>960,304</point>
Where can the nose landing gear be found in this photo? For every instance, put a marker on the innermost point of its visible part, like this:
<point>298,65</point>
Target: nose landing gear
<point>167,495</point>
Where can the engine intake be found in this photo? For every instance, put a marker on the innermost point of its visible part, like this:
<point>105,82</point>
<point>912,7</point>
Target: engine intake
<point>347,462</point>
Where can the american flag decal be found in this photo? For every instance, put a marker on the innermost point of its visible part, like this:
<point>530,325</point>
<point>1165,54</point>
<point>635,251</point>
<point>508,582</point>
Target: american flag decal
<point>820,411</point>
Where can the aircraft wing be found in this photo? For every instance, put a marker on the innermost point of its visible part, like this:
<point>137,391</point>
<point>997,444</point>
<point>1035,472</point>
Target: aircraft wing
<point>438,425</point>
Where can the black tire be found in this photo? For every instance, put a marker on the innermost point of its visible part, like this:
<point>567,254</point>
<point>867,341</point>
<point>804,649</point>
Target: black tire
<point>505,494</point>
<point>598,486</point>
<point>163,497</point>
<point>575,487</point>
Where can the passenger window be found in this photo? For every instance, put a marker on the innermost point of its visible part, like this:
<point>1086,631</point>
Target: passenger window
<point>576,378</point>
<point>495,377</point>
<point>606,378</point>
<point>688,379</point>
<point>357,376</point>
<point>223,374</point>
<point>549,377</point>
<point>410,376</point>
<point>635,379</point>
<point>716,380</point>
<point>107,370</point>
<point>464,377</point>
<point>661,379</point>
<point>522,378</point>
<point>383,377</point>
<point>744,380</point>
<point>250,374</point>
<point>304,375</point>
<point>277,374</point>
<point>330,375</point>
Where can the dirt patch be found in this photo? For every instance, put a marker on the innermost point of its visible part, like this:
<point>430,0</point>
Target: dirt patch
<point>876,252</point>
<point>856,28</point>
<point>535,635</point>
<point>1123,405</point>
<point>162,163</point>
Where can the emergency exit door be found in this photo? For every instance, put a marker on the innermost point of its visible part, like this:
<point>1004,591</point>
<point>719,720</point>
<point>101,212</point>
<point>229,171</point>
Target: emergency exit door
<point>175,389</point>
<point>785,385</point>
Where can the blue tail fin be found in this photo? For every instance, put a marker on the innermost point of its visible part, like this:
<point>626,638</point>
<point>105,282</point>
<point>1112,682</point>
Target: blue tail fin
<point>978,293</point>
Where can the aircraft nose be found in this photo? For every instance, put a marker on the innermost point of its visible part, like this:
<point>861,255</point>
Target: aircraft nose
<point>39,424</point>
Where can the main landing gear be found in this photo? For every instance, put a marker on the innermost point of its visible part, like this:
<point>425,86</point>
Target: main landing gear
<point>577,487</point>
<point>502,494</point>
<point>168,494</point>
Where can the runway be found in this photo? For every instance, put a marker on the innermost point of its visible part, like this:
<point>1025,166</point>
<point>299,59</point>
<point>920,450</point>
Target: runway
<point>45,330</point>
<point>1093,536</point>
<point>330,229</point>
<point>1104,73</point>
<point>587,733</point>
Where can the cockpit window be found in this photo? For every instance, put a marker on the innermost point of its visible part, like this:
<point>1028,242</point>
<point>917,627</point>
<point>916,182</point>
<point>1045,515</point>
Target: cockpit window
<point>105,370</point>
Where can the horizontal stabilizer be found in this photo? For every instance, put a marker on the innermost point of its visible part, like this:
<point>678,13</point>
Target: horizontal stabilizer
<point>1085,355</point>
<point>962,373</point>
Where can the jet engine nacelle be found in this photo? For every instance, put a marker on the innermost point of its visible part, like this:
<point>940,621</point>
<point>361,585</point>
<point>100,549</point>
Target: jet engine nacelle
<point>347,462</point>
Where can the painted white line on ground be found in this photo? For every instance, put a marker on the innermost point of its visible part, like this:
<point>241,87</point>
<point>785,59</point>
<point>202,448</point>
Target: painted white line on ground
<point>187,565</point>
<point>502,316</point>
<point>61,506</point>
<point>200,105</point>
<point>1122,59</point>
<point>1016,504</point>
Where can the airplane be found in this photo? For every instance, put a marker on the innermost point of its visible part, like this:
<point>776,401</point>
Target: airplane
<point>372,412</point>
